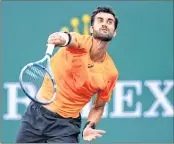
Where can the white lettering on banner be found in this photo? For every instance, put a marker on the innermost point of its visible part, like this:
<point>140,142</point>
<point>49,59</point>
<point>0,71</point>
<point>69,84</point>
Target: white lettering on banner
<point>119,99</point>
<point>161,98</point>
<point>124,94</point>
<point>13,100</point>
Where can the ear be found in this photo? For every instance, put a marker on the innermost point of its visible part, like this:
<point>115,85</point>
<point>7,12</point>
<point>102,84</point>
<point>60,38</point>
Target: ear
<point>91,29</point>
<point>115,33</point>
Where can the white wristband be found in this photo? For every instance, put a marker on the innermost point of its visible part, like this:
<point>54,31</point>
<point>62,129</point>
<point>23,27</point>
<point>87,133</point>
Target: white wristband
<point>66,37</point>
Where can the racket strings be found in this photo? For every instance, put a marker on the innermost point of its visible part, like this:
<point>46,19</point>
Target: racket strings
<point>35,76</point>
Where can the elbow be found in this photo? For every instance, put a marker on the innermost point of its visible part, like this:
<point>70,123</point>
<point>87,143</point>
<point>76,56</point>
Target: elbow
<point>96,107</point>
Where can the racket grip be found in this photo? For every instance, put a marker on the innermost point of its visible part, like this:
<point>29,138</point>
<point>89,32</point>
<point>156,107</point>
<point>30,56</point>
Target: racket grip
<point>50,49</point>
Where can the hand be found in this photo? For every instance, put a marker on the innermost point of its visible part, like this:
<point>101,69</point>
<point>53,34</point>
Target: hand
<point>57,39</point>
<point>90,134</point>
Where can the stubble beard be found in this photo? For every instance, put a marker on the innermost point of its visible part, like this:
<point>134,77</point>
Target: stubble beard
<point>101,36</point>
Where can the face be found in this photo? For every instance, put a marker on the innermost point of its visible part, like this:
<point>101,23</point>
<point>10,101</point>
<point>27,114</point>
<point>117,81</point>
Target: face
<point>103,27</point>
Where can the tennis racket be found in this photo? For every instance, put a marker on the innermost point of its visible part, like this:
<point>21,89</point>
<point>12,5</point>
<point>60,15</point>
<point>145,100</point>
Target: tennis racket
<point>37,74</point>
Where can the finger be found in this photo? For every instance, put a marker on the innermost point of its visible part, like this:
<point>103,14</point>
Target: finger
<point>98,135</point>
<point>94,131</point>
<point>50,42</point>
<point>52,38</point>
<point>54,35</point>
<point>94,136</point>
<point>99,131</point>
<point>91,138</point>
<point>54,41</point>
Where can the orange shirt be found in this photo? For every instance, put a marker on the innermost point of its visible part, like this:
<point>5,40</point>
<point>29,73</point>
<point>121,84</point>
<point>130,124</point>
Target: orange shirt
<point>76,83</point>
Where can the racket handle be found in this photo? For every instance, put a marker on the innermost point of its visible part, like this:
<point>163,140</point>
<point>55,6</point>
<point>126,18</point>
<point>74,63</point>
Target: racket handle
<point>50,49</point>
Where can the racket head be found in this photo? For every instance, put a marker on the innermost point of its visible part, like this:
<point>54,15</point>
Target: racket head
<point>35,74</point>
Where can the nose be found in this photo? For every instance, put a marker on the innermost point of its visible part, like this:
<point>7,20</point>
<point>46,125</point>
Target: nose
<point>104,25</point>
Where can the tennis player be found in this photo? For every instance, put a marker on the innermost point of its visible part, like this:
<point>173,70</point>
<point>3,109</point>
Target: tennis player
<point>81,68</point>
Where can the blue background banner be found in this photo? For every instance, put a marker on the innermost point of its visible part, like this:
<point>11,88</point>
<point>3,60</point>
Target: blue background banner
<point>141,108</point>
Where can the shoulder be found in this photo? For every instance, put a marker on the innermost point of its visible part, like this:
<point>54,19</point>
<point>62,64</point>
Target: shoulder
<point>82,41</point>
<point>79,36</point>
<point>75,34</point>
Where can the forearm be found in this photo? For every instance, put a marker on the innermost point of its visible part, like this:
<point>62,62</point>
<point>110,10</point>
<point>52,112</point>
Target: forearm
<point>95,114</point>
<point>94,117</point>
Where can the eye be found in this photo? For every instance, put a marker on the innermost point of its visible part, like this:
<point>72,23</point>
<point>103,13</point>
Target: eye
<point>99,20</point>
<point>110,22</point>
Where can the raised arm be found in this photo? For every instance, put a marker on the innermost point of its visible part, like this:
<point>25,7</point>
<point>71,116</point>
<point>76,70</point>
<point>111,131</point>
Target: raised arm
<point>62,39</point>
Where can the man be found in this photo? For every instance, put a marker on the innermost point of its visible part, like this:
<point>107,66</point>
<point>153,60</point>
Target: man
<point>81,68</point>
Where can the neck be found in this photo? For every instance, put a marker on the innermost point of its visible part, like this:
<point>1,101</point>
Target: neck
<point>98,50</point>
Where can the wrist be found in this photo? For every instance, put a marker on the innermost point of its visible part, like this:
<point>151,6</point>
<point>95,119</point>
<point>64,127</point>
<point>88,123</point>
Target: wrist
<point>67,38</point>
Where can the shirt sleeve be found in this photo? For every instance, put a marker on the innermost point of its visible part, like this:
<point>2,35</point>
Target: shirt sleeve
<point>106,93</point>
<point>77,39</point>
<point>82,43</point>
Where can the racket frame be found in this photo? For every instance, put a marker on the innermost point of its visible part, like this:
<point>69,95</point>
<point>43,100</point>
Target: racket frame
<point>48,70</point>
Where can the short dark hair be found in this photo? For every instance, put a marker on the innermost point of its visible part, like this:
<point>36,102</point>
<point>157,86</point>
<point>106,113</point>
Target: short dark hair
<point>105,9</point>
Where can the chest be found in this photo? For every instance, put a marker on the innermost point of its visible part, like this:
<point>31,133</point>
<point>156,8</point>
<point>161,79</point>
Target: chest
<point>83,72</point>
<point>98,76</point>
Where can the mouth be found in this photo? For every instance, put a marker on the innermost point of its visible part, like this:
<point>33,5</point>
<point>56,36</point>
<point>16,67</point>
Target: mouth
<point>104,30</point>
